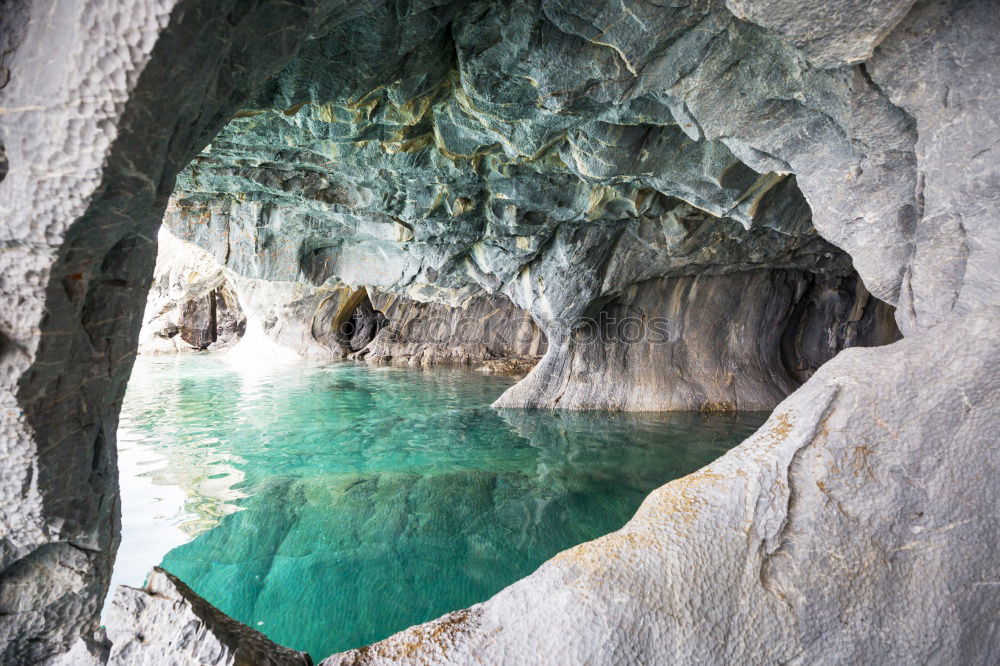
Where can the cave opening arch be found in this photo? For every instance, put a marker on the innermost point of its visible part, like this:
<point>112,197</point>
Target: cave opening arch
<point>358,322</point>
<point>76,273</point>
<point>95,288</point>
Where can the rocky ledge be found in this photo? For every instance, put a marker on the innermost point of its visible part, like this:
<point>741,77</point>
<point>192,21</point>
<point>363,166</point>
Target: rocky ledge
<point>165,622</point>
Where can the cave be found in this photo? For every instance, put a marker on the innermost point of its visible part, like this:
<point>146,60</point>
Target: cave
<point>357,322</point>
<point>619,208</point>
<point>363,326</point>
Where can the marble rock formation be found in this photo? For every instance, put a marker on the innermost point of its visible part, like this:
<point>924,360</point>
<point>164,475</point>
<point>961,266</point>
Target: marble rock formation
<point>712,342</point>
<point>490,334</point>
<point>191,304</point>
<point>797,162</point>
<point>165,622</point>
<point>197,304</point>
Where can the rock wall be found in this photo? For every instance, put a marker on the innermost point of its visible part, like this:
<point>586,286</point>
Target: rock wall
<point>196,304</point>
<point>490,333</point>
<point>704,341</point>
<point>740,341</point>
<point>103,103</point>
<point>191,304</point>
<point>558,152</point>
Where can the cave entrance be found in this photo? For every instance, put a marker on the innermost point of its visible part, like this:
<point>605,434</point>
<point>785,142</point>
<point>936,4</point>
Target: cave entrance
<point>192,304</point>
<point>358,322</point>
<point>79,274</point>
<point>401,475</point>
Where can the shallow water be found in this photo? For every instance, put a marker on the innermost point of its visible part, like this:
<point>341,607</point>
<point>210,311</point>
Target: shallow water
<point>330,507</point>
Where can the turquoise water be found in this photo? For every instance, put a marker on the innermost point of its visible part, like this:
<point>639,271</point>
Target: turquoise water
<point>330,507</point>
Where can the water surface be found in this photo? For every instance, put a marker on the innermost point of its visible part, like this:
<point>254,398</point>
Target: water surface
<point>330,507</point>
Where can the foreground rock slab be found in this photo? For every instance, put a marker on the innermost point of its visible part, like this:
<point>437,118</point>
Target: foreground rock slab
<point>167,623</point>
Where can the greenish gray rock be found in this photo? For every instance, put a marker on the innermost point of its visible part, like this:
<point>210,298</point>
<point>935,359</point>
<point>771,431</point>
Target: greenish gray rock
<point>740,341</point>
<point>490,334</point>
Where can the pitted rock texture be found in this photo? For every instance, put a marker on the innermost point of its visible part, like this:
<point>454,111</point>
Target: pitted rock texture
<point>956,242</point>
<point>165,622</point>
<point>857,525</point>
<point>104,104</point>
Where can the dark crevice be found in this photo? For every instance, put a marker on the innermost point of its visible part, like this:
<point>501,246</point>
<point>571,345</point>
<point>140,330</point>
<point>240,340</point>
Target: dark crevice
<point>362,326</point>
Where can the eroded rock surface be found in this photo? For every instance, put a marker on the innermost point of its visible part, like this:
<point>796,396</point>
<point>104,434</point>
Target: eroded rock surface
<point>562,152</point>
<point>103,103</point>
<point>741,341</point>
<point>489,333</point>
<point>165,622</point>
<point>197,304</point>
<point>191,303</point>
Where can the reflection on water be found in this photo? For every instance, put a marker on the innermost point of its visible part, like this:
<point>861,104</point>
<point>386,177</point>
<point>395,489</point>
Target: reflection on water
<point>332,506</point>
